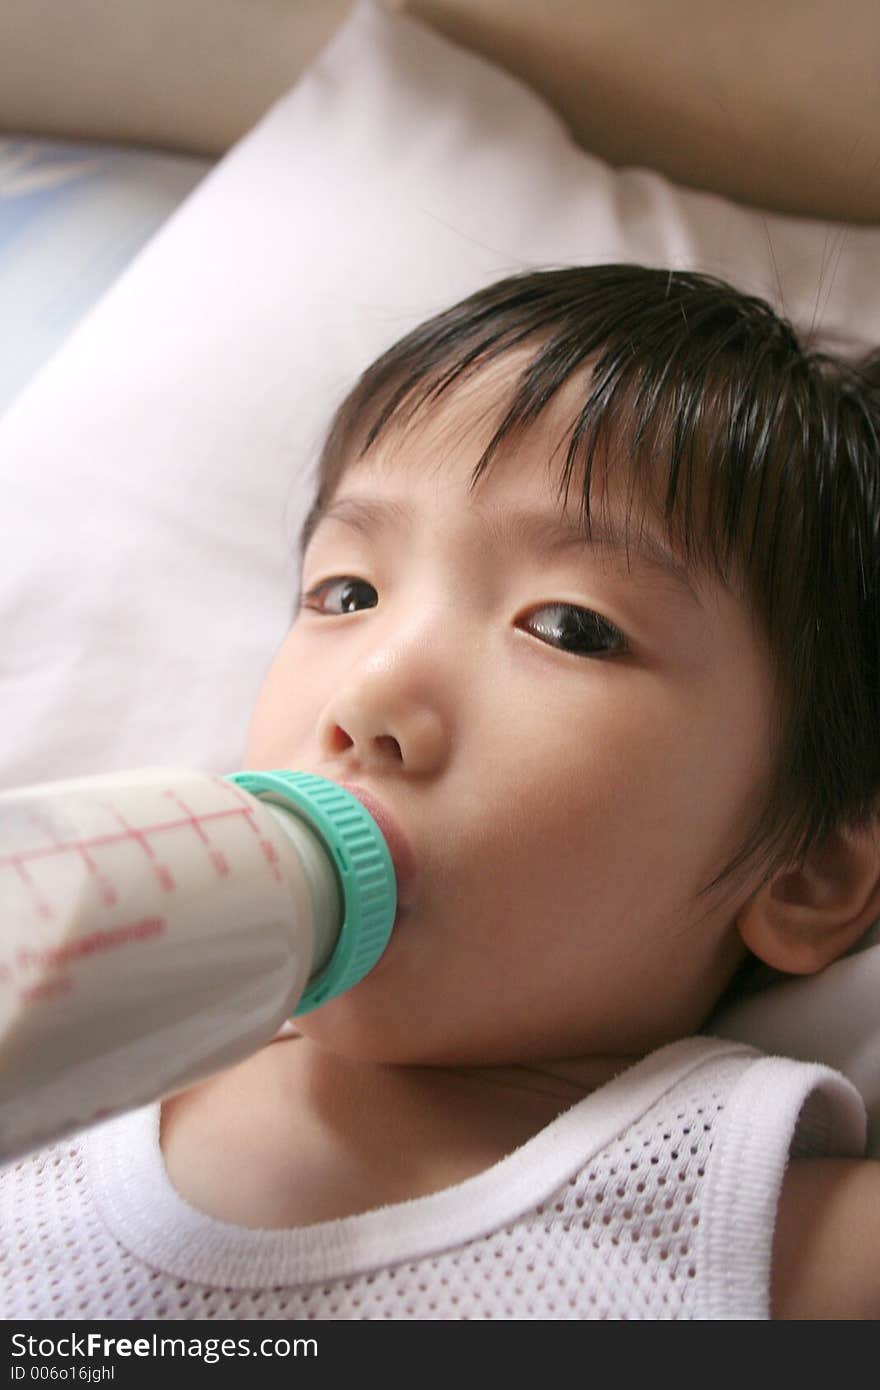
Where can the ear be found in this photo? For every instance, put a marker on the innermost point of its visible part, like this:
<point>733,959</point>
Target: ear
<point>808,916</point>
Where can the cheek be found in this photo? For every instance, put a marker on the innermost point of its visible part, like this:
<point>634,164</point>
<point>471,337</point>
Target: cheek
<point>284,712</point>
<point>562,810</point>
<point>637,780</point>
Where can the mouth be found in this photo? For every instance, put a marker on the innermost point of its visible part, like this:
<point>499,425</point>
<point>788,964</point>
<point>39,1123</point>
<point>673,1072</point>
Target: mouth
<point>399,848</point>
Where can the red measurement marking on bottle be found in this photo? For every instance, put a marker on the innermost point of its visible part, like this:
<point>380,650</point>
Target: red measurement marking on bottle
<point>139,836</point>
<point>109,896</point>
<point>142,836</point>
<point>217,857</point>
<point>104,939</point>
<point>100,841</point>
<point>269,852</point>
<point>44,907</point>
<point>47,989</point>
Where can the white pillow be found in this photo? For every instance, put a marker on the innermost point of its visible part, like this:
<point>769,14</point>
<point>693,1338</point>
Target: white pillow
<point>155,473</point>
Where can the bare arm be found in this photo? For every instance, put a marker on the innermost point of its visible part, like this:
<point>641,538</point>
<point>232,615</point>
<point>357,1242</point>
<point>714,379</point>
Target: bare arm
<point>826,1251</point>
<point>777,105</point>
<point>191,75</point>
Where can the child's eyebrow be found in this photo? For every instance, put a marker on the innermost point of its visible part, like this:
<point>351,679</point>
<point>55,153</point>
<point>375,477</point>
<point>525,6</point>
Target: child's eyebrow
<point>553,534</point>
<point>542,532</point>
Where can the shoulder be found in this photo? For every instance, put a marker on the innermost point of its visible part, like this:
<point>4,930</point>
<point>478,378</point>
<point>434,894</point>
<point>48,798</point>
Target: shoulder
<point>826,1245</point>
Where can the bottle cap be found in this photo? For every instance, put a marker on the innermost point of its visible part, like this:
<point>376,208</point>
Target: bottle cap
<point>360,856</point>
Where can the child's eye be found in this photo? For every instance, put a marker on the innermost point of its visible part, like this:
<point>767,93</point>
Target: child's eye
<point>577,630</point>
<point>346,594</point>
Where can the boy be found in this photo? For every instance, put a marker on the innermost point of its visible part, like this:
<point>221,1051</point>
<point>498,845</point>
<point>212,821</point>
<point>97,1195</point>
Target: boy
<point>589,620</point>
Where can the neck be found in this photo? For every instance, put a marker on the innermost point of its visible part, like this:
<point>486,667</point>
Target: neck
<point>298,1134</point>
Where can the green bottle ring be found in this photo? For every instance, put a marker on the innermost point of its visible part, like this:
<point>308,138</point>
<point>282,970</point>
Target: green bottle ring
<point>360,857</point>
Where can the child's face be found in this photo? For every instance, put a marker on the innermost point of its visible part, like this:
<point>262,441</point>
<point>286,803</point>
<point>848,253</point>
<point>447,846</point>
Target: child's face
<point>564,800</point>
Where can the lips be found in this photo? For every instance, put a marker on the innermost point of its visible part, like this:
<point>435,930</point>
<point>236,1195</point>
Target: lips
<point>399,848</point>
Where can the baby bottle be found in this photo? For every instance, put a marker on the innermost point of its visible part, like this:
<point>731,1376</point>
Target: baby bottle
<point>159,925</point>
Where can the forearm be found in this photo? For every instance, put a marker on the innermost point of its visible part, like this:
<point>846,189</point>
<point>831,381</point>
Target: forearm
<point>777,105</point>
<point>191,75</point>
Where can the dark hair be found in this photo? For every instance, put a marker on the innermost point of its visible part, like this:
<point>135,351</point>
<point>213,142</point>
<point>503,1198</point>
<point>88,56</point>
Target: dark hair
<point>760,457</point>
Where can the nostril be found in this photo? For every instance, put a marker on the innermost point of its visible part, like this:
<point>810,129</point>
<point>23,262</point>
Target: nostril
<point>339,740</point>
<point>387,744</point>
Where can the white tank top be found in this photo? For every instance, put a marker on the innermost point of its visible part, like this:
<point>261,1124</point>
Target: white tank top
<point>652,1198</point>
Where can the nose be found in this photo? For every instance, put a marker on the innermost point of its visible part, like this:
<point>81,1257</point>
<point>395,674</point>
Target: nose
<point>384,719</point>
